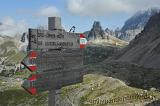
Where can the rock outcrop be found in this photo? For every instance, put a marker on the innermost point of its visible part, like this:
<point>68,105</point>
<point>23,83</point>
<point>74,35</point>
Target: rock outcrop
<point>109,32</point>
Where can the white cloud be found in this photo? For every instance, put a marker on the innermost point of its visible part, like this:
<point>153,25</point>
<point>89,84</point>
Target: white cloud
<point>108,7</point>
<point>11,27</point>
<point>48,11</point>
<point>44,11</point>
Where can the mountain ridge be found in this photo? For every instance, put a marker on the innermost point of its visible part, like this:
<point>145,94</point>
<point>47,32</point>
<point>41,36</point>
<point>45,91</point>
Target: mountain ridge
<point>136,24</point>
<point>145,48</point>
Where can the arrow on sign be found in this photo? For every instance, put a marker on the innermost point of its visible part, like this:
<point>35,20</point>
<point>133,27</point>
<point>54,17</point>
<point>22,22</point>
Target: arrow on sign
<point>83,41</point>
<point>45,81</point>
<point>30,88</point>
<point>28,61</point>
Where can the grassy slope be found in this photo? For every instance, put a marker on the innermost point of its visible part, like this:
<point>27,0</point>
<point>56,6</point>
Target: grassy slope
<point>15,97</point>
<point>106,88</point>
<point>11,52</point>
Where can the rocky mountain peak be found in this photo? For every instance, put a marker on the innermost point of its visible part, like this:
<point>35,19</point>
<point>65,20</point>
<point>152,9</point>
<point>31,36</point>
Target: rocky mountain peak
<point>151,31</point>
<point>139,19</point>
<point>136,24</point>
<point>96,31</point>
<point>153,23</point>
<point>97,24</point>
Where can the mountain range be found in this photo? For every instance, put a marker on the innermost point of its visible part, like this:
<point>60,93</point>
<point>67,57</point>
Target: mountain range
<point>135,24</point>
<point>144,49</point>
<point>97,35</point>
<point>10,55</point>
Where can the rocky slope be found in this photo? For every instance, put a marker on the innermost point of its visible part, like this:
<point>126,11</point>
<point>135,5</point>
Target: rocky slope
<point>145,48</point>
<point>16,40</point>
<point>4,38</point>
<point>98,53</point>
<point>10,55</point>
<point>99,90</point>
<point>135,24</point>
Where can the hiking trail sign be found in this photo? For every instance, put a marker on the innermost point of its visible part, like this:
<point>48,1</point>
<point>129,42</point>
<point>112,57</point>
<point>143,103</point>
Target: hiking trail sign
<point>56,58</point>
<point>44,39</point>
<point>40,82</point>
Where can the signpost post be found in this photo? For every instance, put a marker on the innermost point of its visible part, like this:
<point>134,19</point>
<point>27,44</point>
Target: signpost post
<point>52,99</point>
<point>56,56</point>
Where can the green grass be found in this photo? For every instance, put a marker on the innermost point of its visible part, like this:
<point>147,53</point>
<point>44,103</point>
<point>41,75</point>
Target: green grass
<point>65,90</point>
<point>14,97</point>
<point>0,82</point>
<point>7,44</point>
<point>22,74</point>
<point>18,57</point>
<point>11,52</point>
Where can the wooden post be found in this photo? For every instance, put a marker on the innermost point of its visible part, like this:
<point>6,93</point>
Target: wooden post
<point>51,98</point>
<point>57,97</point>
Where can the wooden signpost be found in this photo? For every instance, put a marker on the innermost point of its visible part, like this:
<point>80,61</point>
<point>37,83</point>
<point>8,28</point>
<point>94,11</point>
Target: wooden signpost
<point>56,57</point>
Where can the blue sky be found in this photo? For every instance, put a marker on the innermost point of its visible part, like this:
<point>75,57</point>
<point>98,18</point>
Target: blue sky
<point>18,15</point>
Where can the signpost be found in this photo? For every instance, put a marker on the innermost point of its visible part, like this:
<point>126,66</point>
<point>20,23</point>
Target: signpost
<point>56,57</point>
